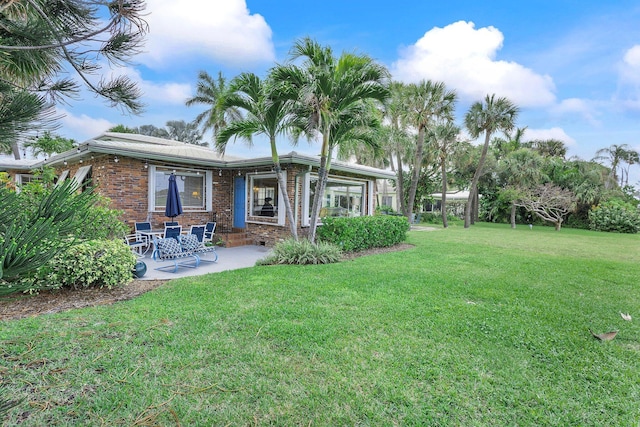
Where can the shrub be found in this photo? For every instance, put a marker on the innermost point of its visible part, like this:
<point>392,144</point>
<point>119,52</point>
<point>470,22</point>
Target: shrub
<point>615,216</point>
<point>302,252</point>
<point>94,263</point>
<point>364,232</point>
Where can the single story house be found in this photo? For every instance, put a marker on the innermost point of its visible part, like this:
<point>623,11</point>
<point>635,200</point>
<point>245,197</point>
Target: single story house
<point>133,171</point>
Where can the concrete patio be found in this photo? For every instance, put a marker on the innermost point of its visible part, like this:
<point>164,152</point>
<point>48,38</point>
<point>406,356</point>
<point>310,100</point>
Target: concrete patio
<point>228,259</point>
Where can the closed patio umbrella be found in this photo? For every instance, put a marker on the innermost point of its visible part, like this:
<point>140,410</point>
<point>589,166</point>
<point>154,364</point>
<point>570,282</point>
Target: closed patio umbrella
<point>174,205</point>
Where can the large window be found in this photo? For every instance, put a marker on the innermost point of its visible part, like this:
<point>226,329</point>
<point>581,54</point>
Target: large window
<point>191,185</point>
<point>264,196</point>
<point>341,197</point>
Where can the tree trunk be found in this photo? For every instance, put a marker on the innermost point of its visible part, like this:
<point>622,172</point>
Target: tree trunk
<point>474,181</point>
<point>513,215</point>
<point>558,225</point>
<point>415,175</point>
<point>443,205</point>
<point>15,150</point>
<point>476,206</point>
<point>287,203</point>
<point>400,187</point>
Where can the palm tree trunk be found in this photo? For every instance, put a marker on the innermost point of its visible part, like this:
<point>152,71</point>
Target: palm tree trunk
<point>474,182</point>
<point>15,150</point>
<point>323,172</point>
<point>400,186</point>
<point>415,175</point>
<point>513,215</point>
<point>287,203</point>
<point>443,206</point>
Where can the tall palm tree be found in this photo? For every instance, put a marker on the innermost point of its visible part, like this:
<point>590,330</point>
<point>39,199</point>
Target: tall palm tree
<point>327,90</point>
<point>398,140</point>
<point>631,157</point>
<point>213,93</point>
<point>615,154</point>
<point>443,136</point>
<point>269,114</point>
<point>489,117</point>
<point>427,103</point>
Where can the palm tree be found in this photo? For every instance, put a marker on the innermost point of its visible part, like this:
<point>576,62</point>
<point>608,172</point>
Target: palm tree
<point>631,157</point>
<point>548,147</point>
<point>327,90</point>
<point>427,103</point>
<point>488,117</point>
<point>443,136</point>
<point>269,114</point>
<point>213,93</point>
<point>615,154</point>
<point>398,140</point>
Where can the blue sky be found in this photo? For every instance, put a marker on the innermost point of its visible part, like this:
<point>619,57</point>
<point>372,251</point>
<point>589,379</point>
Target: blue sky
<point>573,67</point>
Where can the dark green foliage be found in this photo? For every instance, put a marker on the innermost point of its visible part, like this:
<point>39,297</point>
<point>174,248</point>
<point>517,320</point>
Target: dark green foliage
<point>302,252</point>
<point>365,232</point>
<point>615,216</point>
<point>33,229</point>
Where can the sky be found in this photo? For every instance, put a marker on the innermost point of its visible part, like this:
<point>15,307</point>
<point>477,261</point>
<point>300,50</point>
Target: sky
<point>572,67</point>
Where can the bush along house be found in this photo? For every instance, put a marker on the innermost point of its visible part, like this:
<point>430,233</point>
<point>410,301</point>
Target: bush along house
<point>133,171</point>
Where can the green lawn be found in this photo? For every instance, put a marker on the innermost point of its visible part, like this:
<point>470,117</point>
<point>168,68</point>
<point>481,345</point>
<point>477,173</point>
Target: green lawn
<point>485,326</point>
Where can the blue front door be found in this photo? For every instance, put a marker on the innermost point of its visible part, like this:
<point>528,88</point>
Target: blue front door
<point>239,202</point>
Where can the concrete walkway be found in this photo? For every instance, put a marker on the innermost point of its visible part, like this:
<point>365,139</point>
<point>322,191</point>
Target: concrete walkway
<point>228,259</point>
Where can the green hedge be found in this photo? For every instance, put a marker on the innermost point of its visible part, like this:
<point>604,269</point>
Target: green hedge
<point>364,232</point>
<point>615,216</point>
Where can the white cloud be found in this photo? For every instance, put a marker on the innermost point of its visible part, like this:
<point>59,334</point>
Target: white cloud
<point>221,30</point>
<point>628,93</point>
<point>464,58</point>
<point>577,106</point>
<point>552,133</point>
<point>83,127</point>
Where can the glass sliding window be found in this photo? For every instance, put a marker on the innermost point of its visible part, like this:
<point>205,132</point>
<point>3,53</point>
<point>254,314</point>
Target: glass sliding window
<point>264,196</point>
<point>190,185</point>
<point>341,197</point>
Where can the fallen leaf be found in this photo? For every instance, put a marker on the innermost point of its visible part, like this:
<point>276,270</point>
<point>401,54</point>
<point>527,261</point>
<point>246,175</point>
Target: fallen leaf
<point>626,317</point>
<point>607,336</point>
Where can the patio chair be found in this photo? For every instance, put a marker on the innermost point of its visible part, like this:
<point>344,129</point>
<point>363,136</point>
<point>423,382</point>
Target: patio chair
<point>191,243</point>
<point>210,229</point>
<point>169,249</point>
<point>199,231</point>
<point>172,231</point>
<point>171,223</point>
<point>137,246</point>
<point>140,228</point>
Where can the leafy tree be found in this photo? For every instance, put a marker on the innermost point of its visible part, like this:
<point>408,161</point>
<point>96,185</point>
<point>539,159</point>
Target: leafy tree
<point>548,201</point>
<point>213,93</point>
<point>548,147</point>
<point>269,114</point>
<point>39,38</point>
<point>123,129</point>
<point>327,91</point>
<point>151,130</point>
<point>520,169</point>
<point>49,144</point>
<point>427,104</point>
<point>488,117</point>
<point>179,130</point>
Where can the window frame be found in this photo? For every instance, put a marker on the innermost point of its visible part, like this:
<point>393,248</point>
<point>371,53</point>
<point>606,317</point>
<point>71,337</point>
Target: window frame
<point>252,215</point>
<point>207,183</point>
<point>365,204</point>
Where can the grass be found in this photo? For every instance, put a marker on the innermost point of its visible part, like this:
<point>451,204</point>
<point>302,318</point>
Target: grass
<point>485,326</point>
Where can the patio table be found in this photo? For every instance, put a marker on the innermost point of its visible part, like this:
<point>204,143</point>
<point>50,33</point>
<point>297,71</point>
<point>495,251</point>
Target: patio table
<point>151,235</point>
